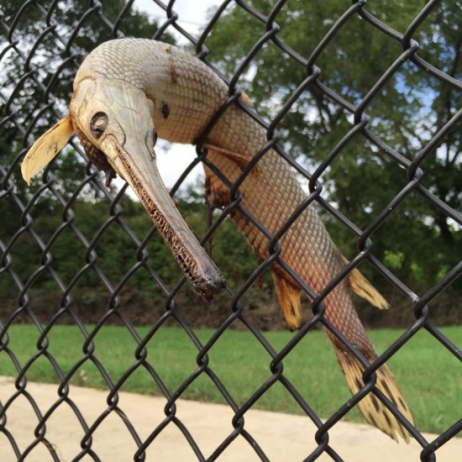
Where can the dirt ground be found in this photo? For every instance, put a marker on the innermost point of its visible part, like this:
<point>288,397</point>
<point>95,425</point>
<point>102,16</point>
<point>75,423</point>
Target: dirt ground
<point>282,437</point>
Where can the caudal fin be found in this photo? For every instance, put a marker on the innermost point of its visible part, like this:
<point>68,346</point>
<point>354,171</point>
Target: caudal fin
<point>374,411</point>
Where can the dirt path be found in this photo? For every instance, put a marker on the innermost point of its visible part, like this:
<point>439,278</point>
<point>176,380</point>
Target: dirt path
<point>282,437</point>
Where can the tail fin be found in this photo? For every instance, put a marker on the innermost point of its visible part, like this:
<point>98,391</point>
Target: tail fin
<point>370,406</point>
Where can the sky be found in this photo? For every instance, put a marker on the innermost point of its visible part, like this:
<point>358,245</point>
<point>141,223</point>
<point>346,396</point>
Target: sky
<point>192,13</point>
<point>172,159</point>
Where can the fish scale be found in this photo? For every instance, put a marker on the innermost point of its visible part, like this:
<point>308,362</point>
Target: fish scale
<point>124,82</point>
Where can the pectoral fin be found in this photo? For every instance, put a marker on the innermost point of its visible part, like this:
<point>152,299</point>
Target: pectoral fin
<point>46,148</point>
<point>239,159</point>
<point>289,299</point>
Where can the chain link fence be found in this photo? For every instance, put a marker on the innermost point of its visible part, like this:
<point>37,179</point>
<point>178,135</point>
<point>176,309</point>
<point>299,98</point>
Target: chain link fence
<point>42,45</point>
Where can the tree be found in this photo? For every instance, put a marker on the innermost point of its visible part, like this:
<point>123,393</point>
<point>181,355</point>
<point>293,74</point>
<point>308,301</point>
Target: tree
<point>50,82</point>
<point>405,114</point>
<point>39,58</point>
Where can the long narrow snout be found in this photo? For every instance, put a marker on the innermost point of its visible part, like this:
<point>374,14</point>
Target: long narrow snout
<point>136,164</point>
<point>115,118</point>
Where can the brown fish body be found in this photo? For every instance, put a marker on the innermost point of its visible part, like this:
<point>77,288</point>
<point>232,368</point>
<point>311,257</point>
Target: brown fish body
<point>133,80</point>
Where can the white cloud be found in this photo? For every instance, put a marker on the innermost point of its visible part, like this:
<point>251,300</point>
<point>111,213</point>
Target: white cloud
<point>192,16</point>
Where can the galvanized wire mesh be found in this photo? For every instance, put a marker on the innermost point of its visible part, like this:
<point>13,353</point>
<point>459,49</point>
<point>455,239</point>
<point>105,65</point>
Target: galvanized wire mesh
<point>29,105</point>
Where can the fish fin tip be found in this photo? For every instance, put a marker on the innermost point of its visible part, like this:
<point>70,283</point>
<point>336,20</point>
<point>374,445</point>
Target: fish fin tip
<point>364,289</point>
<point>245,99</point>
<point>289,300</point>
<point>239,159</point>
<point>373,410</point>
<point>45,149</point>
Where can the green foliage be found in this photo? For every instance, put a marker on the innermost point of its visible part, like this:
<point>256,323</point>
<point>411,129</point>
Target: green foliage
<point>405,114</point>
<point>115,250</point>
<point>56,233</point>
<point>47,62</point>
<point>417,242</point>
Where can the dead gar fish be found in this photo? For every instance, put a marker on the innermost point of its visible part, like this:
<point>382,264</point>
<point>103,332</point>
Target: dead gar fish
<point>127,91</point>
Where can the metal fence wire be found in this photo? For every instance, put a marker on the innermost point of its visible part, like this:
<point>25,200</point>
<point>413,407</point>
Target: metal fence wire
<point>34,36</point>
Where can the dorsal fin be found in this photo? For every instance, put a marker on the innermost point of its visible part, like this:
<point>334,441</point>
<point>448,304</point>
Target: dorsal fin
<point>362,287</point>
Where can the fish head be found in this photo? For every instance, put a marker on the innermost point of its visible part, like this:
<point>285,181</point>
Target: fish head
<point>114,121</point>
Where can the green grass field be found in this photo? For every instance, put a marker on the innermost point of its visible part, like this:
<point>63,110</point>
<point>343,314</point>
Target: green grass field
<point>429,376</point>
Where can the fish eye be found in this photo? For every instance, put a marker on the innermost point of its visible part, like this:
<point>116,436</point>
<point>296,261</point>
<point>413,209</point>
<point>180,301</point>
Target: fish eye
<point>98,124</point>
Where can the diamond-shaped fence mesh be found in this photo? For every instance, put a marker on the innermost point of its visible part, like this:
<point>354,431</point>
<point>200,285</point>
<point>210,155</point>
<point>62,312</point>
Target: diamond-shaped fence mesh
<point>57,238</point>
